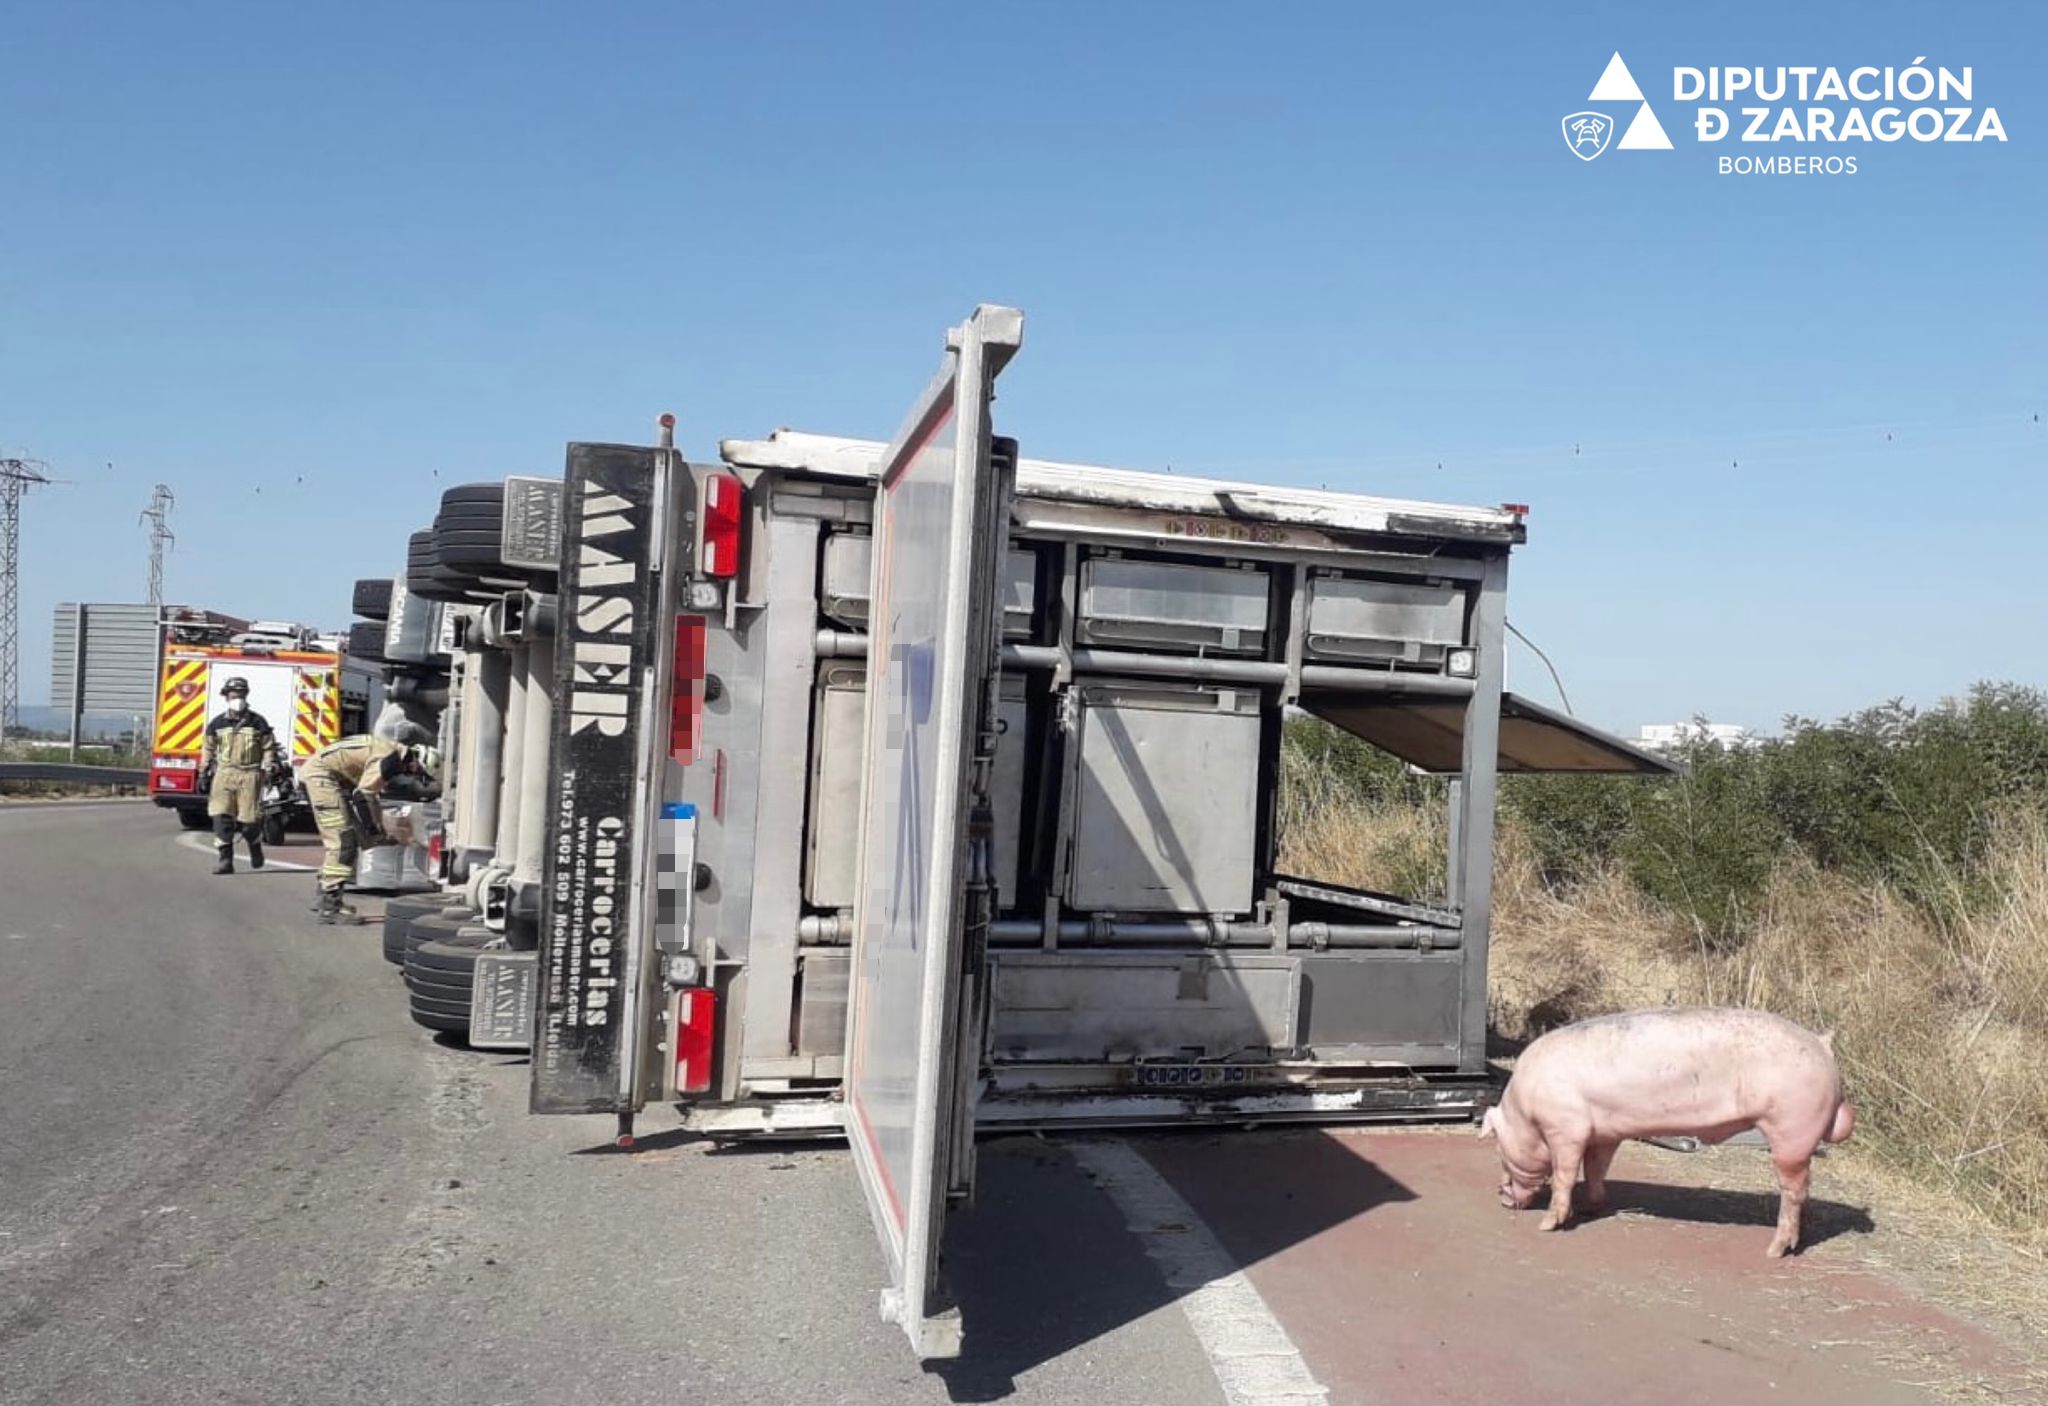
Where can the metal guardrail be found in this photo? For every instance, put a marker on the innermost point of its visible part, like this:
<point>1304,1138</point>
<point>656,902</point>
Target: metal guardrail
<point>67,771</point>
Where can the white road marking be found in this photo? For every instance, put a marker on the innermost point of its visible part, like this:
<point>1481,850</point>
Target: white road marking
<point>1254,1360</point>
<point>204,844</point>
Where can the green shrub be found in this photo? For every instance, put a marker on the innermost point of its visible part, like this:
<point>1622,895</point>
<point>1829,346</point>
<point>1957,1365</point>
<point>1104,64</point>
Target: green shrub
<point>1574,824</point>
<point>1892,794</point>
<point>1704,844</point>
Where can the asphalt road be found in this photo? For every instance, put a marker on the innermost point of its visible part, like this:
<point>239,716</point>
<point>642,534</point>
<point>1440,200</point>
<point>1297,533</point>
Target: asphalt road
<point>232,1170</point>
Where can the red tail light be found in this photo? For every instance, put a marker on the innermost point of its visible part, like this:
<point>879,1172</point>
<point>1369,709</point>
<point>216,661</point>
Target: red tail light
<point>696,1032</point>
<point>723,499</point>
<point>686,696</point>
<point>434,850</point>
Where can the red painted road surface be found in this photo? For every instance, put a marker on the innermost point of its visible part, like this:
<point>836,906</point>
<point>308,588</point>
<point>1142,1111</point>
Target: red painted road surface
<point>1389,1260</point>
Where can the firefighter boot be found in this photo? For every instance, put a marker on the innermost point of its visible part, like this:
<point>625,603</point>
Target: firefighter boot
<point>224,844</point>
<point>254,835</point>
<point>332,910</point>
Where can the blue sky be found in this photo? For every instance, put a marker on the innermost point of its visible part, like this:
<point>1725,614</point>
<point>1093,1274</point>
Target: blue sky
<point>309,265</point>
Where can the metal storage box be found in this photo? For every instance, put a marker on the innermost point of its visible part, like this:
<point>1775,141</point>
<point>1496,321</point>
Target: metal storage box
<point>821,1003</point>
<point>833,827</point>
<point>1140,1005</point>
<point>833,831</point>
<point>402,868</point>
<point>1391,621</point>
<point>845,583</point>
<point>1166,805</point>
<point>843,593</point>
<point>1220,609</point>
<point>1385,1005</point>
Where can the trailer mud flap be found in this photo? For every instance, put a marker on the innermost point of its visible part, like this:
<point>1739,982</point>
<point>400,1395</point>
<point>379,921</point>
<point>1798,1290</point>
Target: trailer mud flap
<point>922,900</point>
<point>501,1001</point>
<point>596,1005</point>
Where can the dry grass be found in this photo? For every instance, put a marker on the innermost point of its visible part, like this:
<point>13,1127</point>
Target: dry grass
<point>1942,1034</point>
<point>1344,841</point>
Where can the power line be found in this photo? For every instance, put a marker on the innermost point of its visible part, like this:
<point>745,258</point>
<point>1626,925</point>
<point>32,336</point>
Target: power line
<point>17,477</point>
<point>1702,449</point>
<point>1555,677</point>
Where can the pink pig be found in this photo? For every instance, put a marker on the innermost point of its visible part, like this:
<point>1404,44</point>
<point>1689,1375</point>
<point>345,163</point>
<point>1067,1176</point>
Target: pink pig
<point>1708,1073</point>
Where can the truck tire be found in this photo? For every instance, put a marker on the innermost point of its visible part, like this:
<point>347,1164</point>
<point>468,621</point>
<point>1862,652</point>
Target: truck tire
<point>458,585</point>
<point>428,584</point>
<point>468,530</point>
<point>481,500</point>
<point>471,549</point>
<point>425,577</point>
<point>372,599</point>
<point>444,986</point>
<point>442,925</point>
<point>366,641</point>
<point>444,971</point>
<point>398,915</point>
<point>194,817</point>
<point>441,973</point>
<point>470,544</point>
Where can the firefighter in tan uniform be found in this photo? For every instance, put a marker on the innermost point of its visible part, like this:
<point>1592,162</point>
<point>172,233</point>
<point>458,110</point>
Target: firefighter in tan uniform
<point>342,782</point>
<point>239,752</point>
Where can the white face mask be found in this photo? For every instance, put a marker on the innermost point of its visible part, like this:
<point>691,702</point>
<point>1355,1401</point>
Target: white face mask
<point>238,705</point>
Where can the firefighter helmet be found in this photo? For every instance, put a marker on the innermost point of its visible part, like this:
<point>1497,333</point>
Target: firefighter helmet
<point>236,687</point>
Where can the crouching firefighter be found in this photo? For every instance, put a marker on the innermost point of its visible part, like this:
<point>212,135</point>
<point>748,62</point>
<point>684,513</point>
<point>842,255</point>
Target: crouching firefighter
<point>239,752</point>
<point>343,781</point>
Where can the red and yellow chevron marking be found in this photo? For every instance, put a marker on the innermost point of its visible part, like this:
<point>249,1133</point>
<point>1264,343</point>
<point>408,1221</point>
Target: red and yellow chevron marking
<point>316,717</point>
<point>181,706</point>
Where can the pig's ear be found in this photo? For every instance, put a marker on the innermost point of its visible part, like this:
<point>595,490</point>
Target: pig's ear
<point>1488,1122</point>
<point>1827,1038</point>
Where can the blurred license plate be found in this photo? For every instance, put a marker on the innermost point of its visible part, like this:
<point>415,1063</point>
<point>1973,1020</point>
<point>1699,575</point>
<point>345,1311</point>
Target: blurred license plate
<point>1187,1076</point>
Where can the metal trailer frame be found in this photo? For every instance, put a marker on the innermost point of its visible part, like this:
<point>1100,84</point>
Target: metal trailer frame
<point>504,683</point>
<point>1388,998</point>
<point>1106,934</point>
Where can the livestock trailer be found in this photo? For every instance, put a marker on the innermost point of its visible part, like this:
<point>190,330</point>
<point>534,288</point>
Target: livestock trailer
<point>904,790</point>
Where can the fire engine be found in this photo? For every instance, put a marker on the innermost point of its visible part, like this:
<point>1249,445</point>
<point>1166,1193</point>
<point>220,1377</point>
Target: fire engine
<point>311,692</point>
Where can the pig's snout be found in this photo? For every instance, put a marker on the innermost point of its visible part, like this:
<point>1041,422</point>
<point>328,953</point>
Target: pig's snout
<point>1516,1197</point>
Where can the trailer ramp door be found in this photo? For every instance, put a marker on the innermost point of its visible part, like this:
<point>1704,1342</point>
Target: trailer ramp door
<point>1429,734</point>
<point>913,1029</point>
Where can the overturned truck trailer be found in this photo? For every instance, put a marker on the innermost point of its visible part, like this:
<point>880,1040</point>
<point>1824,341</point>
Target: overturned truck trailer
<point>920,788</point>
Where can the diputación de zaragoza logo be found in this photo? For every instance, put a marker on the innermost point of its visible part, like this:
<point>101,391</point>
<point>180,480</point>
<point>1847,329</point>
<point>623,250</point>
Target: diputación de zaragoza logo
<point>1803,105</point>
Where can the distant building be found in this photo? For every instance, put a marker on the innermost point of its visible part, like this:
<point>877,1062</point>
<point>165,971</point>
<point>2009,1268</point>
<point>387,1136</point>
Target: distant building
<point>1667,737</point>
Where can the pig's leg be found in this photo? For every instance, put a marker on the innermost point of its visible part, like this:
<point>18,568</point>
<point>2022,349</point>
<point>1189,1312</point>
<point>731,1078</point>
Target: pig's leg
<point>1793,1178</point>
<point>1565,1152</point>
<point>1599,1157</point>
